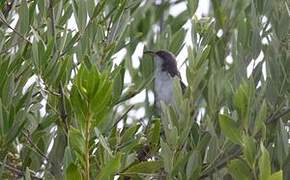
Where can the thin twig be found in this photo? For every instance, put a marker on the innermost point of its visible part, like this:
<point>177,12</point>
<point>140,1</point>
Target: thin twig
<point>14,30</point>
<point>53,108</point>
<point>124,114</point>
<point>18,171</point>
<point>178,1</point>
<point>47,90</point>
<point>36,148</point>
<point>217,158</point>
<point>108,29</point>
<point>62,109</point>
<point>12,169</point>
<point>222,163</point>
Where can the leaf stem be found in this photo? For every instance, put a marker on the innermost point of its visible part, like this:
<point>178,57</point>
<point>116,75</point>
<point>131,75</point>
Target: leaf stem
<point>87,146</point>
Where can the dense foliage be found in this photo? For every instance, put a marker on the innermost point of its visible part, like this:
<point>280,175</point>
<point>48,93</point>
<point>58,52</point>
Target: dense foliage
<point>66,108</point>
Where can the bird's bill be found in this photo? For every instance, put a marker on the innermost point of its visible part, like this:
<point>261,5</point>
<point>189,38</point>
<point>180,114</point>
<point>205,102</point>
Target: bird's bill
<point>149,52</point>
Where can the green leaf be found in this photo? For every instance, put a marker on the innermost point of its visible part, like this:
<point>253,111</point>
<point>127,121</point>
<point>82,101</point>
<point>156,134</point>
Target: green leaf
<point>78,104</point>
<point>192,6</point>
<point>2,127</point>
<point>176,23</point>
<point>111,167</point>
<point>177,41</point>
<point>147,167</point>
<point>61,140</point>
<point>66,15</point>
<point>23,17</point>
<point>71,42</point>
<point>36,35</point>
<point>118,82</point>
<point>103,95</point>
<point>239,169</point>
<point>154,135</point>
<point>203,142</point>
<point>103,141</point>
<point>68,159</point>
<point>76,141</point>
<point>261,117</point>
<point>35,55</point>
<point>27,174</point>
<point>196,75</point>
<point>18,124</point>
<point>177,92</point>
<point>146,66</point>
<point>282,147</point>
<point>249,149</point>
<point>264,163</point>
<point>218,13</point>
<point>242,100</point>
<point>129,133</point>
<point>170,130</point>
<point>73,172</point>
<point>2,4</point>
<point>194,165</point>
<point>91,5</point>
<point>167,156</point>
<point>8,90</point>
<point>276,176</point>
<point>80,13</point>
<point>230,129</point>
<point>98,9</point>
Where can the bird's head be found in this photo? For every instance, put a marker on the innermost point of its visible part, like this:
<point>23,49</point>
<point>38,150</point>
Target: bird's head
<point>164,61</point>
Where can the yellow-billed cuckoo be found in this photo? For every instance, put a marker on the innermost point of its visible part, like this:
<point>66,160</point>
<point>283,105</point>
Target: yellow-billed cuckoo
<point>165,70</point>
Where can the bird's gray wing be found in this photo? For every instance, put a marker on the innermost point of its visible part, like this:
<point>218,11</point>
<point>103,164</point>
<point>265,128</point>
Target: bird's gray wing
<point>183,86</point>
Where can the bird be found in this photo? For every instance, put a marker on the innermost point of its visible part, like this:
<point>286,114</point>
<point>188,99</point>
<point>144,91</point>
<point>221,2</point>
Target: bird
<point>165,70</point>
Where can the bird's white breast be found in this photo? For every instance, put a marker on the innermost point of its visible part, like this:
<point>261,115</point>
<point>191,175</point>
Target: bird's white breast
<point>163,88</point>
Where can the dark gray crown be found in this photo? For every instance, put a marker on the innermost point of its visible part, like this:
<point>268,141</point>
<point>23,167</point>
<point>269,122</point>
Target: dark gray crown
<point>169,62</point>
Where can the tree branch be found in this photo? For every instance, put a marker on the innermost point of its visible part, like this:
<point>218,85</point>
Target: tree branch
<point>62,109</point>
<point>276,117</point>
<point>222,162</point>
<point>14,30</point>
<point>12,169</point>
<point>36,148</point>
<point>178,1</point>
<point>18,171</point>
<point>125,113</point>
